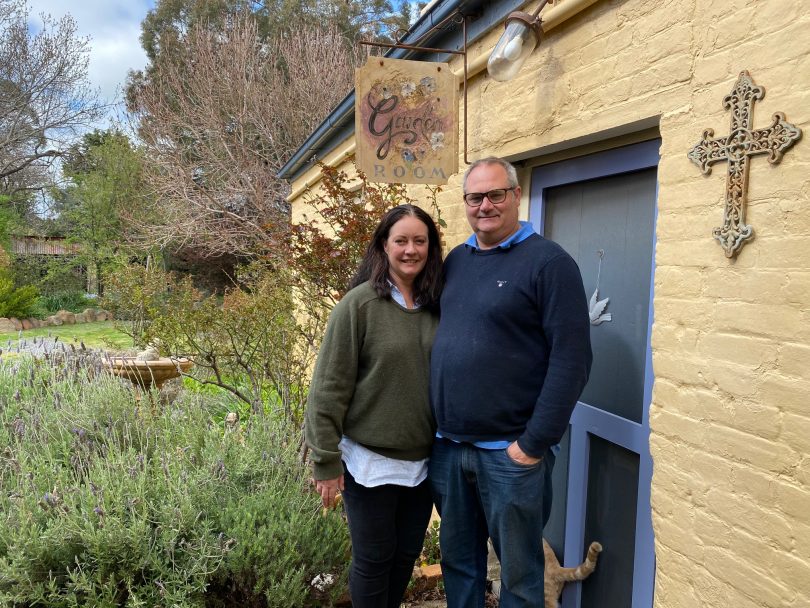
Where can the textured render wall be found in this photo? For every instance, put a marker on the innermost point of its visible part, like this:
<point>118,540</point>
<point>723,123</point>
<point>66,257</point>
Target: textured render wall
<point>730,415</point>
<point>731,406</point>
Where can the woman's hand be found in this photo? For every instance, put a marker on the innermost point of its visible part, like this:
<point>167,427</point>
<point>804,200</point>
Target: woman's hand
<point>328,489</point>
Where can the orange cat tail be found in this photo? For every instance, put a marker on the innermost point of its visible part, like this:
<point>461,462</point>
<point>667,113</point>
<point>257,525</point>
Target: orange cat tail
<point>589,565</point>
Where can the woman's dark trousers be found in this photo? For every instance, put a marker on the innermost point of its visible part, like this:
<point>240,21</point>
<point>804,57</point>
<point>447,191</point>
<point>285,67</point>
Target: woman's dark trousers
<point>387,526</point>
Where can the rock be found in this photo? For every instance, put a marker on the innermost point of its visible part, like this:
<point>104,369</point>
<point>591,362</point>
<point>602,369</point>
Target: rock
<point>37,323</point>
<point>90,314</point>
<point>27,324</point>
<point>322,582</point>
<point>80,318</point>
<point>67,317</point>
<point>6,325</point>
<point>54,320</point>
<point>103,315</point>
<point>17,323</point>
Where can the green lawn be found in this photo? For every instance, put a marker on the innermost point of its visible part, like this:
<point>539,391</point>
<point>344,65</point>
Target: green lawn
<point>101,334</point>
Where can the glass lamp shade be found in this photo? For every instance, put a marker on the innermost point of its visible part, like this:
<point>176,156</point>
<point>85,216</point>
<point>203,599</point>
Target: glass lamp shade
<point>516,43</point>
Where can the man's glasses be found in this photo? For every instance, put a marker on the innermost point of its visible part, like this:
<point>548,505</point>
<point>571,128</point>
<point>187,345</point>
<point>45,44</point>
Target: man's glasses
<point>474,199</point>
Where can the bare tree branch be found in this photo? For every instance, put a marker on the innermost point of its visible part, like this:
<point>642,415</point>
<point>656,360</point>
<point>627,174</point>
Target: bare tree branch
<point>218,119</point>
<point>45,95</point>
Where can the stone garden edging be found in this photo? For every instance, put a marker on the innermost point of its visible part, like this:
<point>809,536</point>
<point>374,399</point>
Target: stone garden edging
<point>63,317</point>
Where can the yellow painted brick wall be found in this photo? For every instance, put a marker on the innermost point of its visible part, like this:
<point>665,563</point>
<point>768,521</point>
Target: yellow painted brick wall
<point>730,416</point>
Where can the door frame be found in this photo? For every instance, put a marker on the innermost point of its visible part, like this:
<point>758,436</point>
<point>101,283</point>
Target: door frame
<point>588,421</point>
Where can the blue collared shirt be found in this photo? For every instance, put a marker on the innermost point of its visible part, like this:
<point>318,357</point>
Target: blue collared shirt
<point>525,231</point>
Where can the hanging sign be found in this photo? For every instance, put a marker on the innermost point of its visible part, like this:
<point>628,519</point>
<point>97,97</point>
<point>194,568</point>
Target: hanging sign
<point>406,121</point>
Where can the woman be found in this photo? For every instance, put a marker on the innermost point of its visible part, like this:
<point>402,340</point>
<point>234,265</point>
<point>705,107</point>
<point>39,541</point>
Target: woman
<point>368,422</point>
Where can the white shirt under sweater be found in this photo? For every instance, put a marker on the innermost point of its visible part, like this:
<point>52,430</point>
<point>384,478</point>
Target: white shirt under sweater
<point>370,469</point>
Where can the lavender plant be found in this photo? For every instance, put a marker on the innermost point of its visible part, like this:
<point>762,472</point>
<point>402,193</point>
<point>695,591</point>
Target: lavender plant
<point>109,501</point>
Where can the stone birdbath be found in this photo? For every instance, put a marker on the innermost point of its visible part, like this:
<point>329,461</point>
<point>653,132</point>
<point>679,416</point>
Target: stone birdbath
<point>148,368</point>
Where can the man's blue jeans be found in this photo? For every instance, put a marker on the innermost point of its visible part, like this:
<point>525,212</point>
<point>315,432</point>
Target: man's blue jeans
<point>483,493</point>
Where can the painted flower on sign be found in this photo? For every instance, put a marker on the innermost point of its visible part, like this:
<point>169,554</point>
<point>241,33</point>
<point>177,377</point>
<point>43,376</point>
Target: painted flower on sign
<point>428,84</point>
<point>408,89</point>
<point>437,140</point>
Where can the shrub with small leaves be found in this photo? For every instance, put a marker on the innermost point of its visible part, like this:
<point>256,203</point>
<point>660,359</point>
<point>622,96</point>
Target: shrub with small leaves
<point>74,301</point>
<point>16,302</point>
<point>247,342</point>
<point>112,501</point>
<point>431,552</point>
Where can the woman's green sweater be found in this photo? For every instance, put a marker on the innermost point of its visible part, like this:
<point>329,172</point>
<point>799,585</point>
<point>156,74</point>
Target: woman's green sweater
<point>371,382</point>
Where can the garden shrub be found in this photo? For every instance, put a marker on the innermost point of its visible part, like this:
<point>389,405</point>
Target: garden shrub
<point>248,341</point>
<point>107,501</point>
<point>431,552</point>
<point>18,302</point>
<point>74,301</point>
<point>136,293</point>
<point>15,301</point>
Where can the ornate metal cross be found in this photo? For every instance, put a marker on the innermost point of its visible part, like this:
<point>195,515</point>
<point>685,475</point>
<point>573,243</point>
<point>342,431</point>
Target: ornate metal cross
<point>740,144</point>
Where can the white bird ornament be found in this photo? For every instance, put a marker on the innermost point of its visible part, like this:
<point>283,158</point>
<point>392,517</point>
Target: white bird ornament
<point>596,308</point>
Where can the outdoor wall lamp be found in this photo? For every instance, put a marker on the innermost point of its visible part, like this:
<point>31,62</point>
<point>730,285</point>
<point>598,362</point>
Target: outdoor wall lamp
<point>517,42</point>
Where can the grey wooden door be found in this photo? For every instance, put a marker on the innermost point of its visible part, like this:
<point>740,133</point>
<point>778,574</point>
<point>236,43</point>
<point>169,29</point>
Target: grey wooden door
<point>602,207</point>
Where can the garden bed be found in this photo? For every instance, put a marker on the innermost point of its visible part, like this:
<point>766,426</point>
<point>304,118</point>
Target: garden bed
<point>109,503</point>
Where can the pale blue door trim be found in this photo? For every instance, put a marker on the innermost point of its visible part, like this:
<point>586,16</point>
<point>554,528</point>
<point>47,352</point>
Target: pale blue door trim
<point>588,421</point>
<point>602,164</point>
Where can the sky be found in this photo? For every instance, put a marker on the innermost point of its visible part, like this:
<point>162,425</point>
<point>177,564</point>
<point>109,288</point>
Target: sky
<point>113,27</point>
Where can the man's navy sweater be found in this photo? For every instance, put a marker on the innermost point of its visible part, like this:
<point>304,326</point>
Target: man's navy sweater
<point>512,352</point>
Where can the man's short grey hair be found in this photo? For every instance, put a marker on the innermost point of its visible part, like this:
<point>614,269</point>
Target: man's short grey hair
<point>511,172</point>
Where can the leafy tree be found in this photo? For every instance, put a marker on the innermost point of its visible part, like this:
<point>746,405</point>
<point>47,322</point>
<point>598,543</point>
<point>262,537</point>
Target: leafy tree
<point>166,26</point>
<point>9,220</point>
<point>45,94</point>
<point>232,89</point>
<point>106,175</point>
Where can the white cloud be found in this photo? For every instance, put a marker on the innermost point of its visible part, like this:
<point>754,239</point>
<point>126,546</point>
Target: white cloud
<point>113,26</point>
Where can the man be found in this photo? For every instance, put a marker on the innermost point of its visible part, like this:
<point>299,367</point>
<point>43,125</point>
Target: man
<point>511,356</point>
